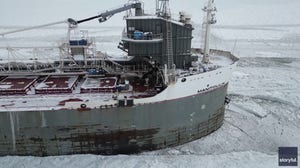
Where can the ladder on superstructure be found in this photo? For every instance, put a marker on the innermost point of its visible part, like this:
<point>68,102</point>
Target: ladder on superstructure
<point>203,33</point>
<point>163,10</point>
<point>169,44</point>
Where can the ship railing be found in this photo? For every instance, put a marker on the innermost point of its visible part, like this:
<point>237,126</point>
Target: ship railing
<point>76,41</point>
<point>142,36</point>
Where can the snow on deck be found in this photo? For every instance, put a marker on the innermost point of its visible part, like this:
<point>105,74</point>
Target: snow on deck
<point>220,60</point>
<point>99,85</point>
<point>217,57</point>
<point>57,84</point>
<point>45,102</point>
<point>16,85</point>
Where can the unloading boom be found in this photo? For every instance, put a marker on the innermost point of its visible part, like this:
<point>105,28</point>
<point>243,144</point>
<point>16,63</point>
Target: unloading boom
<point>107,14</point>
<point>101,17</point>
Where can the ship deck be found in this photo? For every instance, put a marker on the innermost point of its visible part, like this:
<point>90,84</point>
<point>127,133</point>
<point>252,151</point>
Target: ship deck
<point>218,57</point>
<point>57,85</point>
<point>46,102</point>
<point>52,92</point>
<point>16,85</point>
<point>98,85</point>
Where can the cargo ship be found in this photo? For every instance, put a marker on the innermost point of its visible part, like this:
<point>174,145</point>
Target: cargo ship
<point>164,93</point>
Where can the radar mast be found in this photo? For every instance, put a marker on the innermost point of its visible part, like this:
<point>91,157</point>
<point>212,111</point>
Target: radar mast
<point>210,10</point>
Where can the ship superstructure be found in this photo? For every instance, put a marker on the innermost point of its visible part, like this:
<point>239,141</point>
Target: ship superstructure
<point>164,93</point>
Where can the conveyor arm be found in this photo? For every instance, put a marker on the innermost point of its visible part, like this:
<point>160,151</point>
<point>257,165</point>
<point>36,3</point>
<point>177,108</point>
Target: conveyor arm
<point>101,17</point>
<point>105,15</point>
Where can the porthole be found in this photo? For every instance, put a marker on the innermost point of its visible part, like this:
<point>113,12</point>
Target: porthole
<point>83,105</point>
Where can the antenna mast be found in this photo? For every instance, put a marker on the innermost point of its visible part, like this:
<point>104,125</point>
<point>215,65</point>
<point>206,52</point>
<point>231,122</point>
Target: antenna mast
<point>163,9</point>
<point>210,10</point>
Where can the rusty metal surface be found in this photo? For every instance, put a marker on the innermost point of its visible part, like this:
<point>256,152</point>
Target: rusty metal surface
<point>112,131</point>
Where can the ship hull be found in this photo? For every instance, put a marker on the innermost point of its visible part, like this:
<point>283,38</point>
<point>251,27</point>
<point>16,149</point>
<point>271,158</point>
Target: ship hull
<point>117,130</point>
